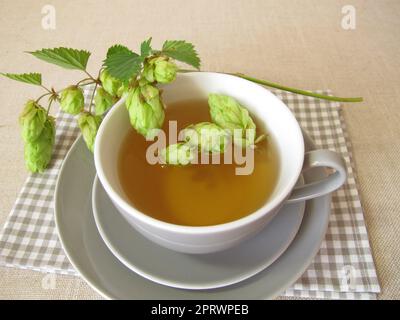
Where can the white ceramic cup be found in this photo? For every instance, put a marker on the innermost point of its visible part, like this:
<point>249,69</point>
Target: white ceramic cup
<point>280,124</point>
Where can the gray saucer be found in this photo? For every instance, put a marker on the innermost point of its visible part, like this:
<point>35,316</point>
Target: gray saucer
<point>108,276</point>
<point>200,271</point>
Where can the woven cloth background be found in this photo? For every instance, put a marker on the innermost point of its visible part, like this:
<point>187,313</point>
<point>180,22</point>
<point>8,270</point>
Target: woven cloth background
<point>342,269</point>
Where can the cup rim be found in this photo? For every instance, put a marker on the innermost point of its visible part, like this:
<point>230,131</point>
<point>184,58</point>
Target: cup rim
<point>266,209</point>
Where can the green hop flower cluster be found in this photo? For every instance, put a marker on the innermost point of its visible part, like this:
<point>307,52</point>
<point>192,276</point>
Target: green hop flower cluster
<point>160,69</point>
<point>89,124</point>
<point>178,154</point>
<point>38,133</point>
<point>32,120</point>
<point>146,110</point>
<point>38,152</point>
<point>72,100</point>
<point>112,85</point>
<point>208,136</point>
<point>231,122</point>
<point>229,114</point>
<point>103,101</point>
<point>122,90</point>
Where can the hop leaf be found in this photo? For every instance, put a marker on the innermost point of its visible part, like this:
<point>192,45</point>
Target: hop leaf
<point>89,124</point>
<point>145,48</point>
<point>31,78</point>
<point>102,101</point>
<point>38,152</point>
<point>72,100</point>
<point>117,48</point>
<point>64,57</point>
<point>229,114</point>
<point>109,83</point>
<point>178,154</point>
<point>146,111</point>
<point>209,137</point>
<point>32,121</point>
<point>122,63</point>
<point>182,51</point>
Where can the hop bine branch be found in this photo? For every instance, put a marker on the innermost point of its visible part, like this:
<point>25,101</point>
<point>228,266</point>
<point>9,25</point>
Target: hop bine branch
<point>124,73</point>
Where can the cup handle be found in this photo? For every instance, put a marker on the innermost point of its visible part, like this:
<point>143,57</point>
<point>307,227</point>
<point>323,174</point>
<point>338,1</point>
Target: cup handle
<point>325,159</point>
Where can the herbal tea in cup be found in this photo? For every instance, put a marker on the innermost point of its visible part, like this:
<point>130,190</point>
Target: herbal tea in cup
<point>189,206</point>
<point>195,194</point>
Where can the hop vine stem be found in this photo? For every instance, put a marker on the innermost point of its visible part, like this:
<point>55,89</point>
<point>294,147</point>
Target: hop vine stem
<point>42,96</point>
<point>48,90</point>
<point>298,91</point>
<point>51,99</point>
<point>79,83</point>
<point>54,94</point>
<point>285,88</point>
<point>91,99</point>
<point>89,75</point>
<point>86,84</point>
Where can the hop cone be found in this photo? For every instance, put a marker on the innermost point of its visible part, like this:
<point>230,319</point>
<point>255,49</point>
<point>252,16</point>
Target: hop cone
<point>208,136</point>
<point>38,152</point>
<point>177,154</point>
<point>146,111</point>
<point>89,124</point>
<point>122,90</point>
<point>72,100</point>
<point>109,83</point>
<point>32,121</point>
<point>102,101</point>
<point>229,114</point>
<point>160,69</point>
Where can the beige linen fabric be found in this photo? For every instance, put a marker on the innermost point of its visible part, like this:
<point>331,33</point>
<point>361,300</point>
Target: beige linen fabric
<point>298,43</point>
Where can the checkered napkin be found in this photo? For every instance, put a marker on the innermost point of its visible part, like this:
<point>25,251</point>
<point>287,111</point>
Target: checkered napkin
<point>343,268</point>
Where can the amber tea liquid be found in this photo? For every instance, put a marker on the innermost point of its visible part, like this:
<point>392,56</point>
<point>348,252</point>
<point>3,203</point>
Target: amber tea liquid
<point>198,194</point>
